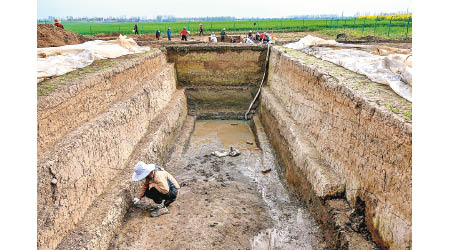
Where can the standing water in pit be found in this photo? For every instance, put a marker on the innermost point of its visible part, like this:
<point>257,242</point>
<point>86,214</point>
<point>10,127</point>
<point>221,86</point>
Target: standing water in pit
<point>224,202</point>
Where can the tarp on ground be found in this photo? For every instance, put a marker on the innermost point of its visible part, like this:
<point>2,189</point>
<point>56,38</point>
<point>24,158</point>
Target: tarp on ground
<point>386,65</point>
<point>55,61</point>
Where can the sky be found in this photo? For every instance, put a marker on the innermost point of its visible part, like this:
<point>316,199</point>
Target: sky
<point>201,8</point>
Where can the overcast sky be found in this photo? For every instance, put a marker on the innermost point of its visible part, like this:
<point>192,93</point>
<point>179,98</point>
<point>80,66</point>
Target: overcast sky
<point>200,8</point>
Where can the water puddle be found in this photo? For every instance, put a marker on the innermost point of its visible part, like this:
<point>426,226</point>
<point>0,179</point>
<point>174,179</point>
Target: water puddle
<point>227,133</point>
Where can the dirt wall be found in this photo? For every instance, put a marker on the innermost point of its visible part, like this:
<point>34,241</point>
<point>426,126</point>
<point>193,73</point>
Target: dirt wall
<point>361,130</point>
<point>85,97</point>
<point>218,64</point>
<point>105,216</point>
<point>97,146</point>
<point>221,80</point>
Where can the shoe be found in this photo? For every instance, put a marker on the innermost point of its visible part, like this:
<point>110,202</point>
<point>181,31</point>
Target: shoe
<point>160,211</point>
<point>162,204</point>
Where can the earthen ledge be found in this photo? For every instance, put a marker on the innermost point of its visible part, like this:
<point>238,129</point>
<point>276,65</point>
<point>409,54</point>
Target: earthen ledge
<point>322,179</point>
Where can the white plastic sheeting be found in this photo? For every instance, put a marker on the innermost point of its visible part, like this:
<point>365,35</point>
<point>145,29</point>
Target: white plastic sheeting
<point>380,64</point>
<point>57,61</point>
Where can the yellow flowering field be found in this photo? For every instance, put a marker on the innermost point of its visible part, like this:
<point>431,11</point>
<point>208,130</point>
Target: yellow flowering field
<point>388,17</point>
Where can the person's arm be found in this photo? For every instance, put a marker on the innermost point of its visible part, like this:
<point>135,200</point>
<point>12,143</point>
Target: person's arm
<point>143,188</point>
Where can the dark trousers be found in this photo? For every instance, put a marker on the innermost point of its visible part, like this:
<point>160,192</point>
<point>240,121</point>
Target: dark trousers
<point>222,38</point>
<point>157,197</point>
<point>201,31</point>
<point>183,37</point>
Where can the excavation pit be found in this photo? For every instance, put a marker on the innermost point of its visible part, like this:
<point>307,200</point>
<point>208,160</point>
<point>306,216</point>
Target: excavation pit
<point>312,151</point>
<point>224,201</point>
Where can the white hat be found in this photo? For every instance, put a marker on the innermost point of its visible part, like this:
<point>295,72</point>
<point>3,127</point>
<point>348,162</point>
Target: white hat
<point>141,170</point>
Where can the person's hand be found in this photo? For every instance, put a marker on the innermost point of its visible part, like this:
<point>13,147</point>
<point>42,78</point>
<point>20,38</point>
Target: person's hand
<point>136,200</point>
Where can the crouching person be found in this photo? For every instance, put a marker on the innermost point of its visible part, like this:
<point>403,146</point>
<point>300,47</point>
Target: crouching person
<point>159,185</point>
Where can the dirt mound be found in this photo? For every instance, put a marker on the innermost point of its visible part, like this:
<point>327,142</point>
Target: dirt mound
<point>48,35</point>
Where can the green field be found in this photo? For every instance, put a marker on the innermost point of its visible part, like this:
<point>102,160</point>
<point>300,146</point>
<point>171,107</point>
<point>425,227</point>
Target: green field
<point>395,29</point>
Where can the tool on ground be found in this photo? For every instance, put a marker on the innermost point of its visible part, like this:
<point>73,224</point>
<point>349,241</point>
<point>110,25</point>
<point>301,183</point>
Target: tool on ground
<point>264,172</point>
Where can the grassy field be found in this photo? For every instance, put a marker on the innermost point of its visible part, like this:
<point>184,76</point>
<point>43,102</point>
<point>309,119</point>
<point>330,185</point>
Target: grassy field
<point>399,29</point>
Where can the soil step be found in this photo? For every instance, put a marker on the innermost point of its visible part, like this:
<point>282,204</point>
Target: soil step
<point>105,215</point>
<point>88,92</point>
<point>222,114</point>
<point>343,227</point>
<point>96,150</point>
<point>263,141</point>
<point>324,181</point>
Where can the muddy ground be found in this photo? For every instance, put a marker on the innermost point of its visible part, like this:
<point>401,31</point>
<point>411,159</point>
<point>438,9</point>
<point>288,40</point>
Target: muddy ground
<point>225,203</point>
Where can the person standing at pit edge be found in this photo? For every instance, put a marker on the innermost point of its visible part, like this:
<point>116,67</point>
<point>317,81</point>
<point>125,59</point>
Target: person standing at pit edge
<point>158,34</point>
<point>136,32</point>
<point>222,35</point>
<point>159,185</point>
<point>169,34</point>
<point>201,29</point>
<point>184,34</point>
<point>57,24</point>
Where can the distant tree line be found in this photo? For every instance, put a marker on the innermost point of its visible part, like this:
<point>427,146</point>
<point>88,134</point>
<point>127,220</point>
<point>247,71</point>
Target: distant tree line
<point>171,18</point>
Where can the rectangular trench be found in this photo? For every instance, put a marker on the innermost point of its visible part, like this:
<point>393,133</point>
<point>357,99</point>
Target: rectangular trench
<point>286,190</point>
<point>231,202</point>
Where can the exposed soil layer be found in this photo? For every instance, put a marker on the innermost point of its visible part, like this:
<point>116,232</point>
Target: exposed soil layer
<point>48,35</point>
<point>358,135</point>
<point>88,129</point>
<point>224,202</point>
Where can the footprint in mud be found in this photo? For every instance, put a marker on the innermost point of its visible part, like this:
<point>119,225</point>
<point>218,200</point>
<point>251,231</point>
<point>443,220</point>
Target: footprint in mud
<point>189,166</point>
<point>220,178</point>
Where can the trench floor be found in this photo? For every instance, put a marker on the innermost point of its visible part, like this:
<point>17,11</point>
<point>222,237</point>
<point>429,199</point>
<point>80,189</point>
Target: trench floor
<point>224,202</point>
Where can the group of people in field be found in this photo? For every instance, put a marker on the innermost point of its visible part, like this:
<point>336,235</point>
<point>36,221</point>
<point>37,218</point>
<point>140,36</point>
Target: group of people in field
<point>263,37</point>
<point>258,37</point>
